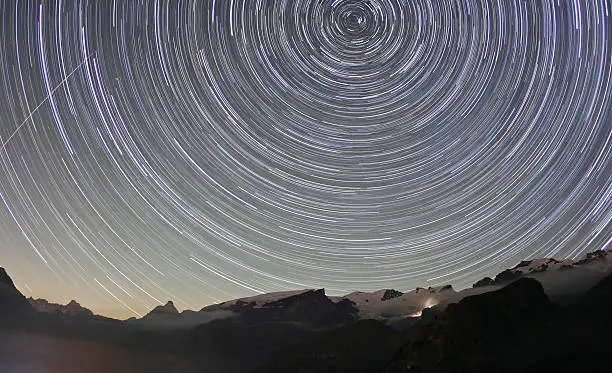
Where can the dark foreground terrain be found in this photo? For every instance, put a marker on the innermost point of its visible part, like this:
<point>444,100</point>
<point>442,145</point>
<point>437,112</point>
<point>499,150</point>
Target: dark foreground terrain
<point>514,327</point>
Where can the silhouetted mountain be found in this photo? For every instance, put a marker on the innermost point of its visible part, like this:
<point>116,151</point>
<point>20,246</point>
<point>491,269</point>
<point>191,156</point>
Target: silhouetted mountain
<point>600,260</point>
<point>469,334</point>
<point>244,304</point>
<point>263,330</point>
<point>389,306</point>
<point>488,328</point>
<point>487,281</point>
<point>167,310</point>
<point>12,302</point>
<point>514,329</point>
<point>359,347</point>
<point>312,307</point>
<point>507,276</point>
<point>5,279</point>
<point>73,308</point>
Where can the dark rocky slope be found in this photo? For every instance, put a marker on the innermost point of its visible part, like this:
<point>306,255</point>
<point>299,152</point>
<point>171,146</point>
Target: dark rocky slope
<point>514,329</point>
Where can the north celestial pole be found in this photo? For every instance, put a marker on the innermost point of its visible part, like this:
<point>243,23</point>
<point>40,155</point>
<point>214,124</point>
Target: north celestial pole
<point>202,151</point>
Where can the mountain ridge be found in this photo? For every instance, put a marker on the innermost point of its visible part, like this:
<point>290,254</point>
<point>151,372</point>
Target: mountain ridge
<point>385,304</point>
<point>306,330</point>
<point>72,308</point>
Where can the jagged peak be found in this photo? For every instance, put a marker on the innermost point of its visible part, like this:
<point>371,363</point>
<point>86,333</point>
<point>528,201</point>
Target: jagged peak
<point>390,294</point>
<point>308,294</point>
<point>5,278</point>
<point>71,308</point>
<point>166,309</point>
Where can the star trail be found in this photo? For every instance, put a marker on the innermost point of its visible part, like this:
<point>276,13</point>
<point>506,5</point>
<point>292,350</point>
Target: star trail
<point>202,151</point>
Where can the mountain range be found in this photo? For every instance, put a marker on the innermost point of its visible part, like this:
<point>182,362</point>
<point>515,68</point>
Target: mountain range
<point>539,314</point>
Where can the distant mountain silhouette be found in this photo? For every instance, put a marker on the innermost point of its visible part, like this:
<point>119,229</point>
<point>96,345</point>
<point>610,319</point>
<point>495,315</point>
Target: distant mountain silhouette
<point>535,266</point>
<point>167,310</point>
<point>541,315</point>
<point>563,280</point>
<point>72,308</point>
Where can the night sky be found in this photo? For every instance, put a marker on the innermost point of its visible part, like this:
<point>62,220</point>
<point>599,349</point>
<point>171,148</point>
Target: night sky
<point>202,151</point>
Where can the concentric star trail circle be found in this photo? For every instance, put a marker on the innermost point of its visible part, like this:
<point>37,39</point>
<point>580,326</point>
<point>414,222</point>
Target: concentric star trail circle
<point>205,150</point>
